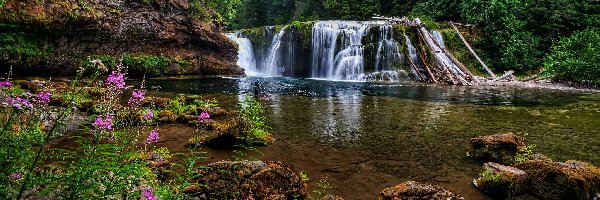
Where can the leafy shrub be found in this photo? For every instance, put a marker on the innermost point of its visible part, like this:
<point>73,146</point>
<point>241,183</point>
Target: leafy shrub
<point>146,64</point>
<point>252,113</point>
<point>575,58</point>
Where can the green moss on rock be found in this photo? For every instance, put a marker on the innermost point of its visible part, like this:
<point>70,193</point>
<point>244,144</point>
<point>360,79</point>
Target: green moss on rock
<point>146,64</point>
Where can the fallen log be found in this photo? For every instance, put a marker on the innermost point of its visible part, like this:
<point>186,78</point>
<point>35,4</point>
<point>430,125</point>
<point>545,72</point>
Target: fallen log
<point>473,52</point>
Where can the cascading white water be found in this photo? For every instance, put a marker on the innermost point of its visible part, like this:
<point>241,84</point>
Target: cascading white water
<point>447,61</point>
<point>337,51</point>
<point>273,65</point>
<point>388,53</point>
<point>246,58</point>
<point>413,56</point>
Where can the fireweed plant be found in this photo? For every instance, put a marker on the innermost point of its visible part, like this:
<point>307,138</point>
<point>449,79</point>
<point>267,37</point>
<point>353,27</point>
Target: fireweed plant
<point>110,160</point>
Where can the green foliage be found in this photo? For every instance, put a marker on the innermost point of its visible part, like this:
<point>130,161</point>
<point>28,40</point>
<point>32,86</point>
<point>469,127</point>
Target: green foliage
<point>489,175</point>
<point>146,64</point>
<point>576,57</point>
<point>2,2</point>
<point>220,11</point>
<point>22,49</point>
<point>252,113</point>
<point>524,155</point>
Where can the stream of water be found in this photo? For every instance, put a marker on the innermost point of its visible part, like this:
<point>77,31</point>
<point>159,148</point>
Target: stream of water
<point>367,136</point>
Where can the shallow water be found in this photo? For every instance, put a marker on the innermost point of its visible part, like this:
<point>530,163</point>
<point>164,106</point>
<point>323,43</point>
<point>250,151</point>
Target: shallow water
<point>368,136</point>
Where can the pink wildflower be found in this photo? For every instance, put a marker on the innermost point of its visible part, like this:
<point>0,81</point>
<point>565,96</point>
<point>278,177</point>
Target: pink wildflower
<point>137,97</point>
<point>43,97</point>
<point>203,117</point>
<point>104,124</point>
<point>149,114</point>
<point>115,79</point>
<point>6,83</point>
<point>152,137</point>
<point>149,195</point>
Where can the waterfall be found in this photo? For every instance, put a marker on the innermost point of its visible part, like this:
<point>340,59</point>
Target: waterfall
<point>273,64</point>
<point>337,51</point>
<point>440,40</point>
<point>388,53</point>
<point>413,56</point>
<point>246,58</point>
<point>334,50</point>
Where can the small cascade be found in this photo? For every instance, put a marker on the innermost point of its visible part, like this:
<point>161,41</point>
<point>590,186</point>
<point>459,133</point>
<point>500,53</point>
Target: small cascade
<point>439,38</point>
<point>388,53</point>
<point>413,56</point>
<point>447,61</point>
<point>246,58</point>
<point>337,51</point>
<point>273,64</point>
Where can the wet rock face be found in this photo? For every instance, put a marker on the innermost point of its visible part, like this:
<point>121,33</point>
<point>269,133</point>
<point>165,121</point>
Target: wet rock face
<point>249,179</point>
<point>562,180</point>
<point>502,181</point>
<point>499,148</point>
<point>414,190</point>
<point>65,33</point>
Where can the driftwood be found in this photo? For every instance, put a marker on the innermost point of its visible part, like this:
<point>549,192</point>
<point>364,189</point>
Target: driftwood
<point>415,67</point>
<point>456,61</point>
<point>424,59</point>
<point>506,75</point>
<point>444,70</point>
<point>473,52</point>
<point>440,56</point>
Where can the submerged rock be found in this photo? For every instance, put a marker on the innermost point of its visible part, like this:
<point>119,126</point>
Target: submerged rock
<point>248,179</point>
<point>499,148</point>
<point>562,180</point>
<point>502,181</point>
<point>415,190</point>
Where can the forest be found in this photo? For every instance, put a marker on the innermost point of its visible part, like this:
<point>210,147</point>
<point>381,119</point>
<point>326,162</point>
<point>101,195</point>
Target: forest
<point>554,38</point>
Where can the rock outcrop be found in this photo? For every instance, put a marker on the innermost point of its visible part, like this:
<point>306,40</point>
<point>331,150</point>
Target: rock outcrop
<point>499,148</point>
<point>502,181</point>
<point>159,37</point>
<point>562,180</point>
<point>414,190</point>
<point>248,179</point>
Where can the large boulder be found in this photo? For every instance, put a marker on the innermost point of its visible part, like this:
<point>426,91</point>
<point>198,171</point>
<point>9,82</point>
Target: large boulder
<point>414,190</point>
<point>562,180</point>
<point>248,179</point>
<point>158,37</point>
<point>499,148</point>
<point>502,181</point>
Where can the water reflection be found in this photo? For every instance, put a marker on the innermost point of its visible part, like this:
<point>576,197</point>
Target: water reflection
<point>409,90</point>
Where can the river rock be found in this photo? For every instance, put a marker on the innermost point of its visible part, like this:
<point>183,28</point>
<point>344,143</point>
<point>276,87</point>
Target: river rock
<point>159,165</point>
<point>331,197</point>
<point>499,148</point>
<point>166,116</point>
<point>502,181</point>
<point>562,180</point>
<point>250,180</point>
<point>414,190</point>
<point>156,101</point>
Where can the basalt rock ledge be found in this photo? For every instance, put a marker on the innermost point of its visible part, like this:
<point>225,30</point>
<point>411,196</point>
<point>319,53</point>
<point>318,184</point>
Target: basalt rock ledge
<point>155,38</point>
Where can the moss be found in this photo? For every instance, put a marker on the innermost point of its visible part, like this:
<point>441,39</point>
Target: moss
<point>146,64</point>
<point>457,47</point>
<point>23,49</point>
<point>303,33</point>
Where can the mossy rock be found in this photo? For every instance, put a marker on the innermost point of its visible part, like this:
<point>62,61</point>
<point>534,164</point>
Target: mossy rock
<point>156,102</point>
<point>249,179</point>
<point>416,190</point>
<point>502,181</point>
<point>558,180</point>
<point>499,148</point>
<point>167,116</point>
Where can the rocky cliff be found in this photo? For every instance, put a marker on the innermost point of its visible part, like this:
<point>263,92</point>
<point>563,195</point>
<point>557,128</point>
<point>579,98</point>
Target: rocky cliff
<point>152,37</point>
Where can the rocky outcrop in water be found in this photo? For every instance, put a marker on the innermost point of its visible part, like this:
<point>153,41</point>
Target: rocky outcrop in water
<point>500,148</point>
<point>159,37</point>
<point>562,180</point>
<point>249,180</point>
<point>502,181</point>
<point>414,190</point>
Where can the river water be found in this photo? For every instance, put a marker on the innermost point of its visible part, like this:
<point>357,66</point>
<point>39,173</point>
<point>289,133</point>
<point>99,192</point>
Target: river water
<point>368,136</point>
